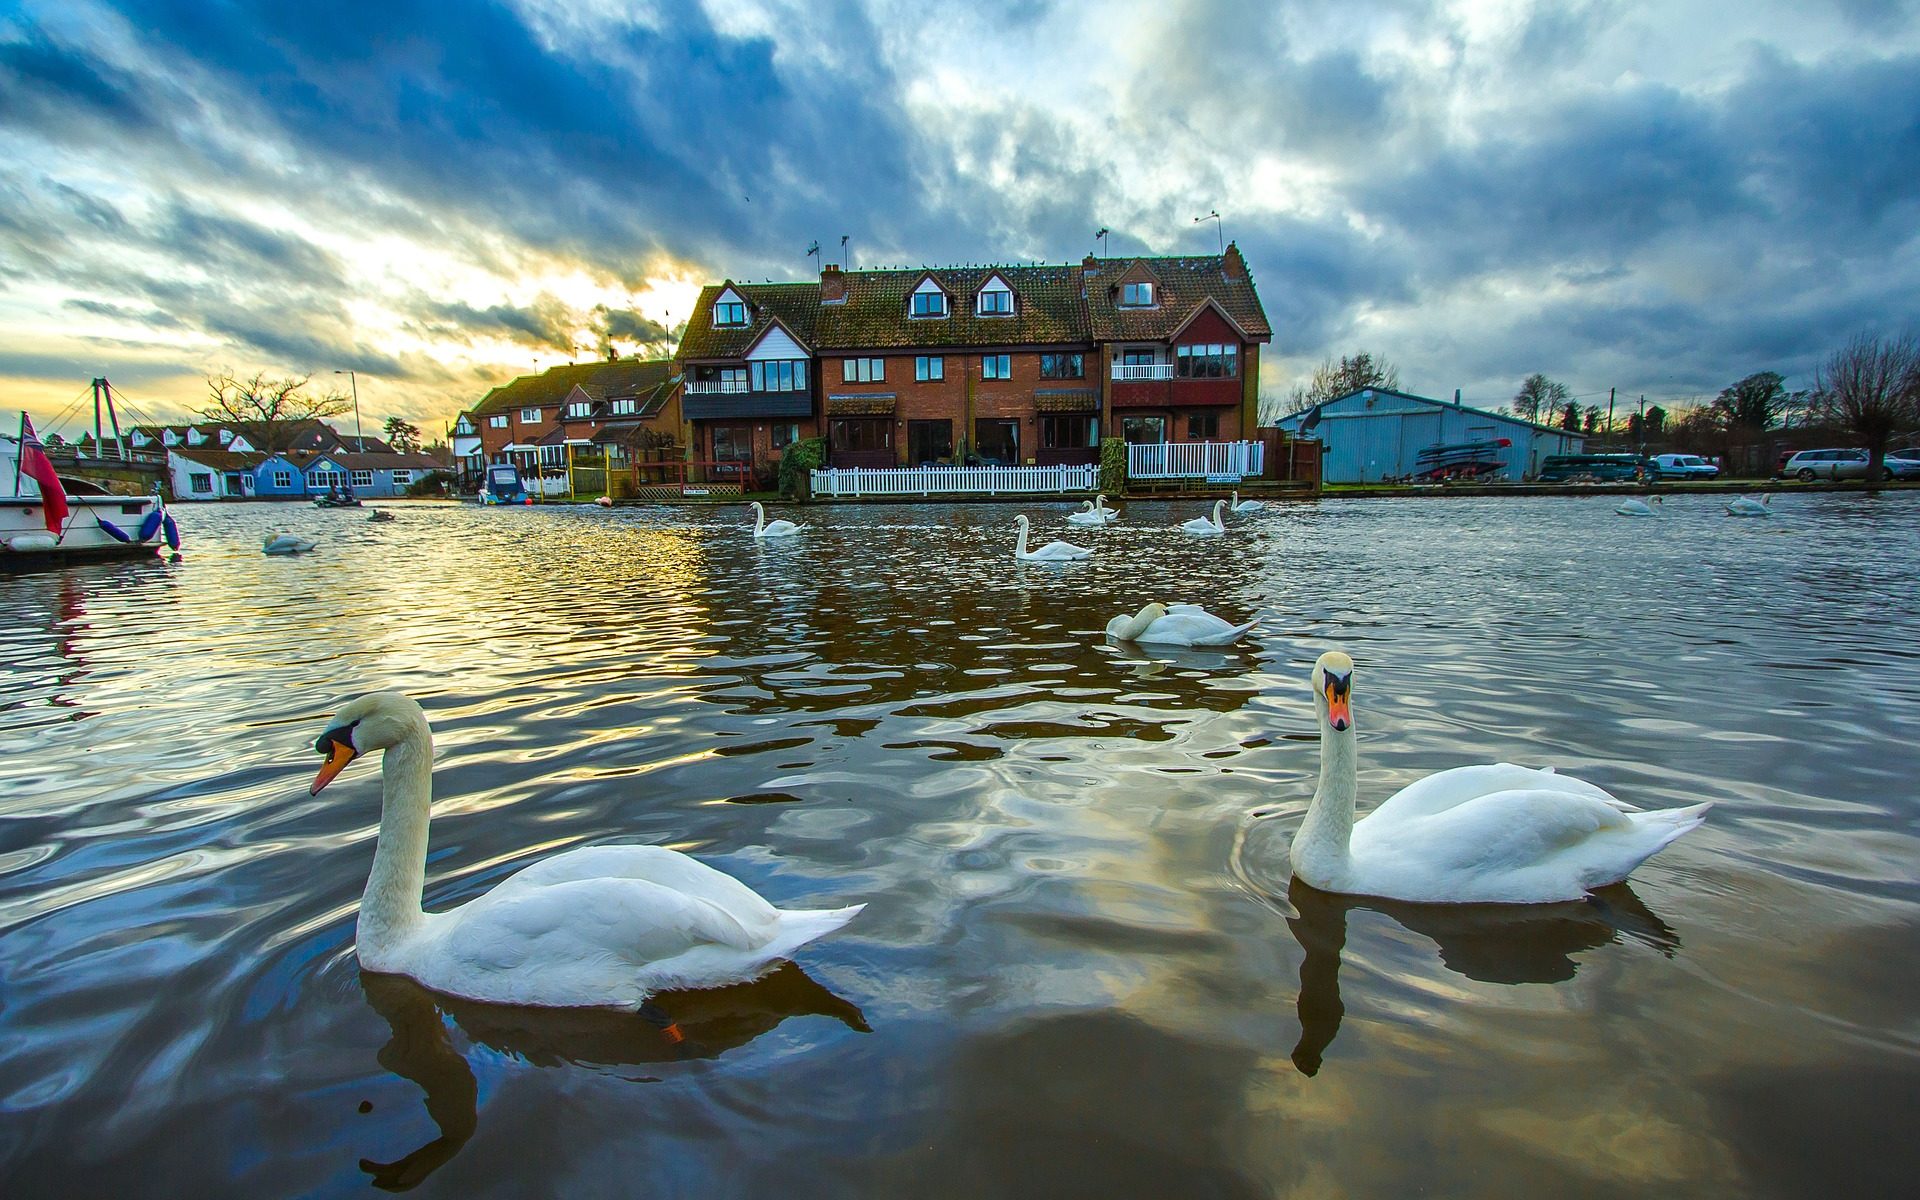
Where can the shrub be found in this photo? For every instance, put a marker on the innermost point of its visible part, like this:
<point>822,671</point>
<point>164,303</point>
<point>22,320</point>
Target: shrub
<point>1113,466</point>
<point>799,458</point>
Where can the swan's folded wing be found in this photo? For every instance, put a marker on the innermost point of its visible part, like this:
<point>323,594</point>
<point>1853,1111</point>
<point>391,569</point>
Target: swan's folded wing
<point>656,864</point>
<point>1449,789</point>
<point>630,922</point>
<point>1498,833</point>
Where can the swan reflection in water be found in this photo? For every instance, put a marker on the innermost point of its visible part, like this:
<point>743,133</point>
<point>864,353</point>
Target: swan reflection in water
<point>686,1025</point>
<point>1491,943</point>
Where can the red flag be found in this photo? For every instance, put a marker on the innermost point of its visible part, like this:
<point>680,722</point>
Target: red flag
<point>35,465</point>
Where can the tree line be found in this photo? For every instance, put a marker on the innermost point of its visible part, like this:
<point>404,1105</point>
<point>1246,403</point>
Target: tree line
<point>264,397</point>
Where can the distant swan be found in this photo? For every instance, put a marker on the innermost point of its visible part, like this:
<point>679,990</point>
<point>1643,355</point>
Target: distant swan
<point>1493,834</point>
<point>1093,512</point>
<point>1245,506</point>
<point>285,543</point>
<point>1746,506</point>
<point>1051,552</point>
<point>1175,625</point>
<point>763,528</point>
<point>1202,525</point>
<point>600,926</point>
<point>1634,507</point>
<point>380,514</point>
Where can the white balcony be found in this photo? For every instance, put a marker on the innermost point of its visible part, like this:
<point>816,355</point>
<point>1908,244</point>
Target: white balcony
<point>1194,460</point>
<point>1141,371</point>
<point>943,481</point>
<point>717,387</point>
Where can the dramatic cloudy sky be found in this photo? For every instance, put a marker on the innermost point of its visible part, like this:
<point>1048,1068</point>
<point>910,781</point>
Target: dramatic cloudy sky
<point>1658,197</point>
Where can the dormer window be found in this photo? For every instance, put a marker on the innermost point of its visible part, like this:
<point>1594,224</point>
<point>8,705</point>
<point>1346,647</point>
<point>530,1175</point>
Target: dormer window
<point>996,303</point>
<point>730,312</point>
<point>1136,295</point>
<point>928,300</point>
<point>579,410</point>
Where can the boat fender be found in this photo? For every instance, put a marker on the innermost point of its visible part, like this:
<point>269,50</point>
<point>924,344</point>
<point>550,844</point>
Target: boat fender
<point>26,543</point>
<point>171,530</point>
<point>113,531</point>
<point>149,526</point>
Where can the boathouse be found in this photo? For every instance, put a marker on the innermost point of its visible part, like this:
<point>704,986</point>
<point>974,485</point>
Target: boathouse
<point>1376,434</point>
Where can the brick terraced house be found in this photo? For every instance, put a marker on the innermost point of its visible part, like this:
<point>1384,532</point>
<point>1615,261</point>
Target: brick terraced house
<point>617,409</point>
<point>996,364</point>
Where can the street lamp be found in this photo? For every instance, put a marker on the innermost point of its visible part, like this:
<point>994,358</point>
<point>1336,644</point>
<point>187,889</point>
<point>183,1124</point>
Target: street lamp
<point>359,440</point>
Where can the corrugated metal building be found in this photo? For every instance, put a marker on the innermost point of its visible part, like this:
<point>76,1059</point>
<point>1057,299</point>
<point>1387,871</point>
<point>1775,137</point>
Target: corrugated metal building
<point>1377,434</point>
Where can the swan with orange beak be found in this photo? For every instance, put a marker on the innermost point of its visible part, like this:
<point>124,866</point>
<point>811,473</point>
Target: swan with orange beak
<point>1489,834</point>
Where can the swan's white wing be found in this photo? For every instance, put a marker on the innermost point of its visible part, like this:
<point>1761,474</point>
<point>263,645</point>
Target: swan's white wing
<point>1192,626</point>
<point>1447,789</point>
<point>1188,608</point>
<point>653,864</point>
<point>1521,845</point>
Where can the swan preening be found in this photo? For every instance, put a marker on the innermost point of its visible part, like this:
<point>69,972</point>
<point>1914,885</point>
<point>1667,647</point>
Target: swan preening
<point>1205,525</point>
<point>285,543</point>
<point>1175,625</point>
<point>1633,506</point>
<point>1245,506</point>
<point>600,926</point>
<point>1747,506</point>
<point>1496,833</point>
<point>763,528</point>
<point>1093,512</point>
<point>1051,552</point>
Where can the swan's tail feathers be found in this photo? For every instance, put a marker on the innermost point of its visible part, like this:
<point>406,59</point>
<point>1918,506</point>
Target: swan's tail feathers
<point>798,926</point>
<point>1227,637</point>
<point>1670,823</point>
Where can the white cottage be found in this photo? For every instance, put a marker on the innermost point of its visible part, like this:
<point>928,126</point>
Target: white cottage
<point>1376,434</point>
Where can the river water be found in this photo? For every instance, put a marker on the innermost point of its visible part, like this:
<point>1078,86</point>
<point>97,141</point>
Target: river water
<point>1080,970</point>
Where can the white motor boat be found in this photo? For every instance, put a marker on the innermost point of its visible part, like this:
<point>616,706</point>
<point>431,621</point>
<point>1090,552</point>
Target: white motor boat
<point>97,524</point>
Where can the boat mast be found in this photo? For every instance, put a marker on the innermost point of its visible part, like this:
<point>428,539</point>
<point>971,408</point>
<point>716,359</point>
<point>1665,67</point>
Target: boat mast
<point>102,388</point>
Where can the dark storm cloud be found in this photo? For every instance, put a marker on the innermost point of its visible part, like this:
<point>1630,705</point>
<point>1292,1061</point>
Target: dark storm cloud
<point>625,325</point>
<point>546,323</point>
<point>151,317</point>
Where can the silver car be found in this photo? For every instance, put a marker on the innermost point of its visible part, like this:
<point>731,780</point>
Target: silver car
<point>1828,464</point>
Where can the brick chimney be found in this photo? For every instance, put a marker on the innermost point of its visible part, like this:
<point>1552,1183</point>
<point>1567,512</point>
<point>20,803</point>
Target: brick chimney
<point>833,285</point>
<point>1232,264</point>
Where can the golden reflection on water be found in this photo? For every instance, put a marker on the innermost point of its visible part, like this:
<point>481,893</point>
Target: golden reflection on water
<point>1082,971</point>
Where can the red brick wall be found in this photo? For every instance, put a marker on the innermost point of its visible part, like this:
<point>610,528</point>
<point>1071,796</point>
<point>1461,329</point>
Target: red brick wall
<point>946,399</point>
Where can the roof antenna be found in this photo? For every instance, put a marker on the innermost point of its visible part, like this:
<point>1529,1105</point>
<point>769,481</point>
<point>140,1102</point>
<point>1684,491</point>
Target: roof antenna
<point>1214,216</point>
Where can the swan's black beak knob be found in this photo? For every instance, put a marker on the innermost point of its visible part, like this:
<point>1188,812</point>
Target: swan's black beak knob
<point>1340,701</point>
<point>337,745</point>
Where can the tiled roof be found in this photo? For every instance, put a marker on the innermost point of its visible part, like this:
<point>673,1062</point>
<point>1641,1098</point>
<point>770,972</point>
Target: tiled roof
<point>220,460</point>
<point>601,380</point>
<point>391,461</point>
<point>795,304</point>
<point>1046,309</point>
<point>1184,284</point>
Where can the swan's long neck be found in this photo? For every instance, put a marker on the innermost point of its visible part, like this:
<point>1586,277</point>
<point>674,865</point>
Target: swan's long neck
<point>1219,506</point>
<point>390,907</point>
<point>1020,549</point>
<point>1137,624</point>
<point>1321,846</point>
<point>759,519</point>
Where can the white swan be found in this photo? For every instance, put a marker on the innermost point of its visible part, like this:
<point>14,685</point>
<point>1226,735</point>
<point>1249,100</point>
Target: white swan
<point>1245,506</point>
<point>285,543</point>
<point>1746,506</point>
<point>763,528</point>
<point>1093,512</point>
<point>1633,506</point>
<point>1202,525</point>
<point>1484,834</point>
<point>1051,552</point>
<point>601,926</point>
<point>1175,625</point>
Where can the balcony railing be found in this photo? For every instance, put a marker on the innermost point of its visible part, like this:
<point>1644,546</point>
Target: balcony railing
<point>1123,373</point>
<point>717,387</point>
<point>1194,460</point>
<point>932,481</point>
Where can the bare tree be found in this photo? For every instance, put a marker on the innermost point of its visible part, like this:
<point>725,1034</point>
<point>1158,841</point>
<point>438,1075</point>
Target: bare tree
<point>264,398</point>
<point>1539,398</point>
<point>1333,380</point>
<point>1871,387</point>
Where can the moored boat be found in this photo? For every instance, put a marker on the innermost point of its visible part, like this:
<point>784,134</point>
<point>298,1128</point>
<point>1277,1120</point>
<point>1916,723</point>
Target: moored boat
<point>84,521</point>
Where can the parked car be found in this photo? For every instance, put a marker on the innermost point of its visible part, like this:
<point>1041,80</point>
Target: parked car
<point>1904,462</point>
<point>1683,466</point>
<point>1591,468</point>
<point>1831,464</point>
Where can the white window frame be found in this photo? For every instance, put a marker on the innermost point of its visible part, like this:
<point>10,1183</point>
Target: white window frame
<point>863,370</point>
<point>625,408</point>
<point>579,410</point>
<point>1004,363</point>
<point>929,368</point>
<point>1136,295</point>
<point>402,476</point>
<point>730,314</point>
<point>200,483</point>
<point>360,479</point>
<point>995,310</point>
<point>529,416</point>
<point>936,303</point>
<point>283,479</point>
<point>497,421</point>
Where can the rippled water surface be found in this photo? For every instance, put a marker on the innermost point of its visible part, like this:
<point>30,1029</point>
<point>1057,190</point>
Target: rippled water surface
<point>1080,971</point>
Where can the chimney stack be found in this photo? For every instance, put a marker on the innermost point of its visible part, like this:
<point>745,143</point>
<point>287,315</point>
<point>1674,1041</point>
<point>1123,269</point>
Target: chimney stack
<point>1232,264</point>
<point>833,285</point>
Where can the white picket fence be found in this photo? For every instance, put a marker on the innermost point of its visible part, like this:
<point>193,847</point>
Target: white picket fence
<point>1194,460</point>
<point>942,481</point>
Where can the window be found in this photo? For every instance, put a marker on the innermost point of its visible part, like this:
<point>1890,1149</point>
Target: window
<point>1210,361</point>
<point>782,375</point>
<point>996,303</point>
<point>1136,358</point>
<point>200,483</point>
<point>997,442</point>
<point>283,479</point>
<point>463,426</point>
<point>929,304</point>
<point>363,479</point>
<point>497,421</point>
<point>996,366</point>
<point>579,410</point>
<point>1062,366</point>
<point>1136,295</point>
<point>865,433</point>
<point>1069,433</point>
<point>553,456</point>
<point>785,434</point>
<point>732,379</point>
<point>402,478</point>
<point>863,370</point>
<point>1149,431</point>
<point>732,313</point>
<point>625,408</point>
<point>1203,427</point>
<point>929,443</point>
<point>530,416</point>
<point>929,368</point>
<point>733,443</point>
